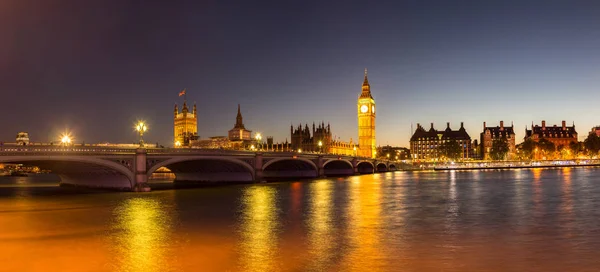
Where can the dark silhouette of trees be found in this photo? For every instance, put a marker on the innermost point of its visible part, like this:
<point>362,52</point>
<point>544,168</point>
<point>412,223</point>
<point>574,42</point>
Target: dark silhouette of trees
<point>592,144</point>
<point>499,149</point>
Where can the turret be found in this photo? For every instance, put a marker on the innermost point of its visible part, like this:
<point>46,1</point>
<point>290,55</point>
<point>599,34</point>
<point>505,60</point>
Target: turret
<point>184,110</point>
<point>195,109</point>
<point>176,111</point>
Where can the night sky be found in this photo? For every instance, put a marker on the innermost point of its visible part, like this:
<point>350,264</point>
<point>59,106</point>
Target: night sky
<point>95,67</point>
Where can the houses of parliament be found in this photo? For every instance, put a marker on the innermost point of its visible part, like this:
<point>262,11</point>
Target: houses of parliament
<point>303,139</point>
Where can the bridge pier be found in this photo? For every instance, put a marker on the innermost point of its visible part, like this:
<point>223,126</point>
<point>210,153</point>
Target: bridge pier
<point>258,166</point>
<point>355,166</point>
<point>320,167</point>
<point>141,177</point>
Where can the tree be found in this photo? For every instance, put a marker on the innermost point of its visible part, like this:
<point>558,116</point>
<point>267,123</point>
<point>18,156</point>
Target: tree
<point>528,148</point>
<point>576,148</point>
<point>451,150</point>
<point>499,149</point>
<point>592,144</point>
<point>546,147</point>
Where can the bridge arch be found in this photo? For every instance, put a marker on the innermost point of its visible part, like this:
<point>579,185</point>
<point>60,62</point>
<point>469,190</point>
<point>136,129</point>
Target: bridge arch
<point>381,167</point>
<point>392,167</point>
<point>207,168</point>
<point>365,167</point>
<point>290,168</point>
<point>82,170</point>
<point>338,167</point>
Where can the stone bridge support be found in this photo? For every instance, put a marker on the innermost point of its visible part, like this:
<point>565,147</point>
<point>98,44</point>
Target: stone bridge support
<point>258,166</point>
<point>139,170</point>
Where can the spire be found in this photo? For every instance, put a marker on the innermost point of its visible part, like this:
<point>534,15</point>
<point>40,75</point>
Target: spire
<point>185,108</point>
<point>176,110</point>
<point>195,110</point>
<point>366,88</point>
<point>239,122</point>
<point>366,81</point>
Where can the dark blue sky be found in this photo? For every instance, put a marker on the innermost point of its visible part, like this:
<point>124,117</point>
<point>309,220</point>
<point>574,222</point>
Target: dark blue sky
<point>94,67</point>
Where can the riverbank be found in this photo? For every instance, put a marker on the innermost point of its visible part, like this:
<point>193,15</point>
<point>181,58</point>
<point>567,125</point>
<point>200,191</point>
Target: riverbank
<point>514,167</point>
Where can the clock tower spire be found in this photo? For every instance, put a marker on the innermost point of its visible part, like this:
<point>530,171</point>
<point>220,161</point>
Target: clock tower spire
<point>366,121</point>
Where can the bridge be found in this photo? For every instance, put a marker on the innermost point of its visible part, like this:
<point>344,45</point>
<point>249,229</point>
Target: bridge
<point>129,168</point>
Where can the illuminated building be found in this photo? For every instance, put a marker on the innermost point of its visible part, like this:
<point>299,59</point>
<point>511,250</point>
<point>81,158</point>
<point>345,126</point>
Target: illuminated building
<point>425,144</point>
<point>22,138</point>
<point>595,130</point>
<point>239,132</point>
<point>562,135</point>
<point>303,139</point>
<point>366,121</point>
<point>490,134</point>
<point>185,125</point>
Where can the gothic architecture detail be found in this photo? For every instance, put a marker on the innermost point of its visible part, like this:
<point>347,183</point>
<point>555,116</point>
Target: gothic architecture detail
<point>366,121</point>
<point>239,132</point>
<point>305,141</point>
<point>185,125</point>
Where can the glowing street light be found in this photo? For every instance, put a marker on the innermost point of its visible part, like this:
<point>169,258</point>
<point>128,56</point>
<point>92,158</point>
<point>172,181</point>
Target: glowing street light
<point>65,139</point>
<point>178,144</point>
<point>320,147</point>
<point>258,138</point>
<point>300,150</point>
<point>141,128</point>
<point>354,151</point>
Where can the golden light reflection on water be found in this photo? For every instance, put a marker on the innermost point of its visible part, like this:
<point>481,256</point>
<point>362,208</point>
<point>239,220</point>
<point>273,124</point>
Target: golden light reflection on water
<point>141,244</point>
<point>258,245</point>
<point>319,222</point>
<point>364,223</point>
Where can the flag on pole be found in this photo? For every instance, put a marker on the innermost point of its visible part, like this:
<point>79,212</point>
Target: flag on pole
<point>182,92</point>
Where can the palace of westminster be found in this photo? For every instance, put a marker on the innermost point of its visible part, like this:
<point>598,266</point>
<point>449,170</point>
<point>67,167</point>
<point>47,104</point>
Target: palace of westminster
<point>302,138</point>
<point>425,143</point>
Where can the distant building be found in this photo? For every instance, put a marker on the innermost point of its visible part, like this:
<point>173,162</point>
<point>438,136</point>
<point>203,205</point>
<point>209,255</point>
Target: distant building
<point>185,125</point>
<point>425,144</point>
<point>395,153</point>
<point>305,141</point>
<point>239,132</point>
<point>562,135</point>
<point>490,134</point>
<point>22,138</point>
<point>366,121</point>
<point>216,142</point>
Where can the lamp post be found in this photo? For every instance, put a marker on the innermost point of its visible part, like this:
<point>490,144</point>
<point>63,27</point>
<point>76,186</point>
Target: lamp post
<point>258,138</point>
<point>388,156</point>
<point>141,128</point>
<point>354,151</point>
<point>178,144</point>
<point>320,147</point>
<point>65,139</point>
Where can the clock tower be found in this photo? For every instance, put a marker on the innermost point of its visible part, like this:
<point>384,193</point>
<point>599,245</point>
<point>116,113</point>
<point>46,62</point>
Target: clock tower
<point>366,121</point>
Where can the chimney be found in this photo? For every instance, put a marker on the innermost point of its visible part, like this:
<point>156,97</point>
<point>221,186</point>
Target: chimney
<point>461,125</point>
<point>564,124</point>
<point>447,124</point>
<point>484,126</point>
<point>543,124</point>
<point>501,125</point>
<point>431,125</point>
<point>418,125</point>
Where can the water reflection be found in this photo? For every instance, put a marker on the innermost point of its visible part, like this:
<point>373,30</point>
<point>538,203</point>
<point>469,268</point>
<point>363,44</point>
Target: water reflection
<point>144,227</point>
<point>320,225</point>
<point>259,225</point>
<point>364,225</point>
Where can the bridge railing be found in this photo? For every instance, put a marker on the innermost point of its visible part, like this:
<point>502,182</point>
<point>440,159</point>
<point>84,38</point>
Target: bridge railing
<point>9,150</point>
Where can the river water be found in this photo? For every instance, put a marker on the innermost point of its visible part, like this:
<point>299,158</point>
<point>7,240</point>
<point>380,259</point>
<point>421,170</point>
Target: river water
<point>511,220</point>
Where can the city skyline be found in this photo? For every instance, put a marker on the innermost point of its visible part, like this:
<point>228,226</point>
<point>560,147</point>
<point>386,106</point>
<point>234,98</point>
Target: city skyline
<point>295,64</point>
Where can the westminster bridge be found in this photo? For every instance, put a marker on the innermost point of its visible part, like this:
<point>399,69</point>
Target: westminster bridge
<point>129,168</point>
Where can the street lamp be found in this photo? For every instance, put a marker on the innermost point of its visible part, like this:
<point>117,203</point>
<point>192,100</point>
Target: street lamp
<point>354,151</point>
<point>388,156</point>
<point>320,147</point>
<point>178,144</point>
<point>258,138</point>
<point>65,139</point>
<point>141,128</point>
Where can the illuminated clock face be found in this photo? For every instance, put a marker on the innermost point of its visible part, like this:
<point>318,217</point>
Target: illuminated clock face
<point>373,109</point>
<point>364,108</point>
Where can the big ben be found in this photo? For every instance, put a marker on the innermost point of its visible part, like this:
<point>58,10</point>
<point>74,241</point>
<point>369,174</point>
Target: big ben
<point>366,121</point>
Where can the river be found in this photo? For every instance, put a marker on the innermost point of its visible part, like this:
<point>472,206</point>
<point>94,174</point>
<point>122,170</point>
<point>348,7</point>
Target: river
<point>494,220</point>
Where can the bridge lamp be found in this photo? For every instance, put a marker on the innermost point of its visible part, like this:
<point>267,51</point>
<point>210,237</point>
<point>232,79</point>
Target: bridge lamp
<point>354,151</point>
<point>141,128</point>
<point>178,144</point>
<point>65,139</point>
<point>258,138</point>
<point>252,147</point>
<point>320,146</point>
<point>388,156</point>
<point>300,150</point>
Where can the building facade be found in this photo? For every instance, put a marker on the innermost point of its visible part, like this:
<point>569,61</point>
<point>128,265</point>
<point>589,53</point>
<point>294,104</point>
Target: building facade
<point>185,125</point>
<point>558,135</point>
<point>366,121</point>
<point>319,141</point>
<point>490,134</point>
<point>239,131</point>
<point>425,144</point>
